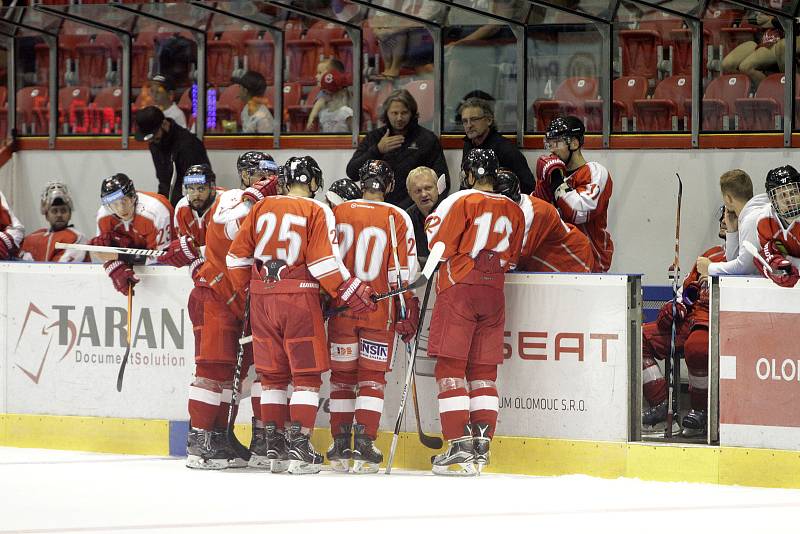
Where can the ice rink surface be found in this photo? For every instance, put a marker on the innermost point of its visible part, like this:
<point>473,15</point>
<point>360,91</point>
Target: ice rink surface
<point>64,491</point>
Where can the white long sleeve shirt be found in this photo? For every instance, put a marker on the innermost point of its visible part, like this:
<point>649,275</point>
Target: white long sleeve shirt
<point>742,262</point>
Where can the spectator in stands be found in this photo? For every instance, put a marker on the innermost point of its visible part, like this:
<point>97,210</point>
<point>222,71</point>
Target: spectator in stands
<point>403,144</point>
<point>11,230</point>
<point>162,91</point>
<point>477,117</point>
<point>256,117</point>
<point>174,150</point>
<point>424,188</point>
<point>323,97</point>
<point>756,58</point>
<point>56,206</point>
<point>406,44</point>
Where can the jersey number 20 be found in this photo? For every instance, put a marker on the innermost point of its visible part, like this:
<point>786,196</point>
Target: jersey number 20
<point>366,273</point>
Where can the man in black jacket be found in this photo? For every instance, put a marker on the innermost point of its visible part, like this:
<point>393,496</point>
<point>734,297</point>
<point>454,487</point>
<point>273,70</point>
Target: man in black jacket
<point>477,117</point>
<point>403,144</point>
<point>174,150</point>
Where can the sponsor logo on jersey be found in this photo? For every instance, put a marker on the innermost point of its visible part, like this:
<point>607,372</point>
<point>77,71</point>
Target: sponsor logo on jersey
<point>432,222</point>
<point>344,352</point>
<point>312,285</point>
<point>374,350</point>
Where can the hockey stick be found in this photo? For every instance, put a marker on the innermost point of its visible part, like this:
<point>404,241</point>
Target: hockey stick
<point>128,336</point>
<point>751,248</point>
<point>112,250</point>
<point>233,409</point>
<point>672,365</point>
<point>409,377</point>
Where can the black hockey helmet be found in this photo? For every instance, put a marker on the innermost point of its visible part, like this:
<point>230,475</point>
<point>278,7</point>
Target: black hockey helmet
<point>376,174</point>
<point>253,160</point>
<point>569,127</point>
<point>115,187</point>
<point>507,184</point>
<point>481,162</point>
<point>199,175</point>
<point>783,188</point>
<point>342,191</point>
<point>302,170</point>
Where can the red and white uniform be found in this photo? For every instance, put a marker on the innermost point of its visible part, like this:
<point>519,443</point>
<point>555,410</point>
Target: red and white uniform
<point>483,234</point>
<point>770,228</point>
<point>586,206</point>
<point>361,345</point>
<point>691,338</point>
<point>41,246</point>
<point>216,311</point>
<point>11,229</point>
<point>289,342</point>
<point>150,228</point>
<point>551,245</point>
<point>189,223</point>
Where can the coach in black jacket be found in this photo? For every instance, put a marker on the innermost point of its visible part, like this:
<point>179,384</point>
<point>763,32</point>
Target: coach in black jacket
<point>403,144</point>
<point>174,149</point>
<point>477,117</point>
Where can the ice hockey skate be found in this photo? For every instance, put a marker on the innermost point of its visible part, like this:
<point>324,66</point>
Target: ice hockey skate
<point>277,449</point>
<point>339,453</point>
<point>303,459</point>
<point>480,444</point>
<point>458,459</point>
<point>654,420</point>
<point>367,457</point>
<point>206,449</point>
<point>258,449</point>
<point>694,424</point>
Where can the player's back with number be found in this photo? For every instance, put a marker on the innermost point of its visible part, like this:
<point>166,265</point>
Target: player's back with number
<point>473,221</point>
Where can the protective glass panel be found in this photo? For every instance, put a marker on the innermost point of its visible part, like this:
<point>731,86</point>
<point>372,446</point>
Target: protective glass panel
<point>3,91</point>
<point>780,5</point>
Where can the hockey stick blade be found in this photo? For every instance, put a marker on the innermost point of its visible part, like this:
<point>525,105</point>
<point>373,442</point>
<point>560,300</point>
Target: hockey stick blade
<point>431,442</point>
<point>110,250</point>
<point>751,248</point>
<point>121,373</point>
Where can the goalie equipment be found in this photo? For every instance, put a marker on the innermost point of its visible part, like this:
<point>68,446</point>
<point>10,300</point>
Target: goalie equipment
<point>55,194</point>
<point>507,184</point>
<point>783,188</point>
<point>480,163</point>
<point>303,170</point>
<point>377,176</point>
<point>342,190</point>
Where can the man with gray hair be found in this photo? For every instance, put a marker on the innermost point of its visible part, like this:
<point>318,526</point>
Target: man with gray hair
<point>402,143</point>
<point>477,117</point>
<point>425,189</point>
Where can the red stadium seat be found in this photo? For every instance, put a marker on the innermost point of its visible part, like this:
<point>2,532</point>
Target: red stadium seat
<point>640,52</point>
<point>142,57</point>
<point>28,99</point>
<point>229,106</point>
<point>105,111</point>
<point>625,90</point>
<point>95,59</point>
<point>67,56</point>
<point>259,55</point>
<point>732,37</point>
<point>663,25</point>
<point>325,33</point>
<point>663,111</point>
<point>681,52</point>
<point>719,17</point>
<point>765,110</point>
<point>720,98</point>
<point>220,60</point>
<point>567,100</point>
<point>422,91</point>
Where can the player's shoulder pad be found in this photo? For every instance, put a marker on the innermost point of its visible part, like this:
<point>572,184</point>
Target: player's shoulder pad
<point>152,207</point>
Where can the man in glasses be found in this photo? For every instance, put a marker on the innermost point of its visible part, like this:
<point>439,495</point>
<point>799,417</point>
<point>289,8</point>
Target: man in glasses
<point>477,117</point>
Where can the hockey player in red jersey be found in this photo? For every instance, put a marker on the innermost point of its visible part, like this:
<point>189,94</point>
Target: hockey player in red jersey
<point>216,310</point>
<point>56,206</point>
<point>482,233</point>
<point>550,244</point>
<point>289,244</point>
<point>692,339</point>
<point>362,344</point>
<point>779,229</point>
<point>11,231</point>
<point>580,190</point>
<point>133,220</point>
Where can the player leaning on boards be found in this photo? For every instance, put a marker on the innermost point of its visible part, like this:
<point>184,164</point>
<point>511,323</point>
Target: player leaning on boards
<point>11,230</point>
<point>778,228</point>
<point>580,189</point>
<point>361,344</point>
<point>482,233</point>
<point>56,206</point>
<point>130,220</point>
<point>289,244</point>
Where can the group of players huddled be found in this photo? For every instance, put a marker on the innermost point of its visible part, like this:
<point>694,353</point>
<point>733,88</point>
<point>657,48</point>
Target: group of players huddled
<point>270,259</point>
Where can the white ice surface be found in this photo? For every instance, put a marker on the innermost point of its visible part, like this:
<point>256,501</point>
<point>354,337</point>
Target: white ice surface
<point>61,491</point>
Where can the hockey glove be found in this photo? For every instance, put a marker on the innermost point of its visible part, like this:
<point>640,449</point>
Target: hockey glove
<point>664,319</point>
<point>550,171</point>
<point>356,294</point>
<point>261,190</point>
<point>7,246</point>
<point>407,328</point>
<point>180,252</point>
<point>121,275</point>
<point>783,272</point>
<point>112,239</point>
<point>194,268</point>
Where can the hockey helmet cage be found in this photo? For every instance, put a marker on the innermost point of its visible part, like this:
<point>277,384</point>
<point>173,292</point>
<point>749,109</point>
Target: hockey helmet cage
<point>376,174</point>
<point>482,162</point>
<point>302,170</point>
<point>569,127</point>
<point>507,184</point>
<point>115,187</point>
<point>53,192</point>
<point>783,188</point>
<point>343,190</point>
<point>199,175</point>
